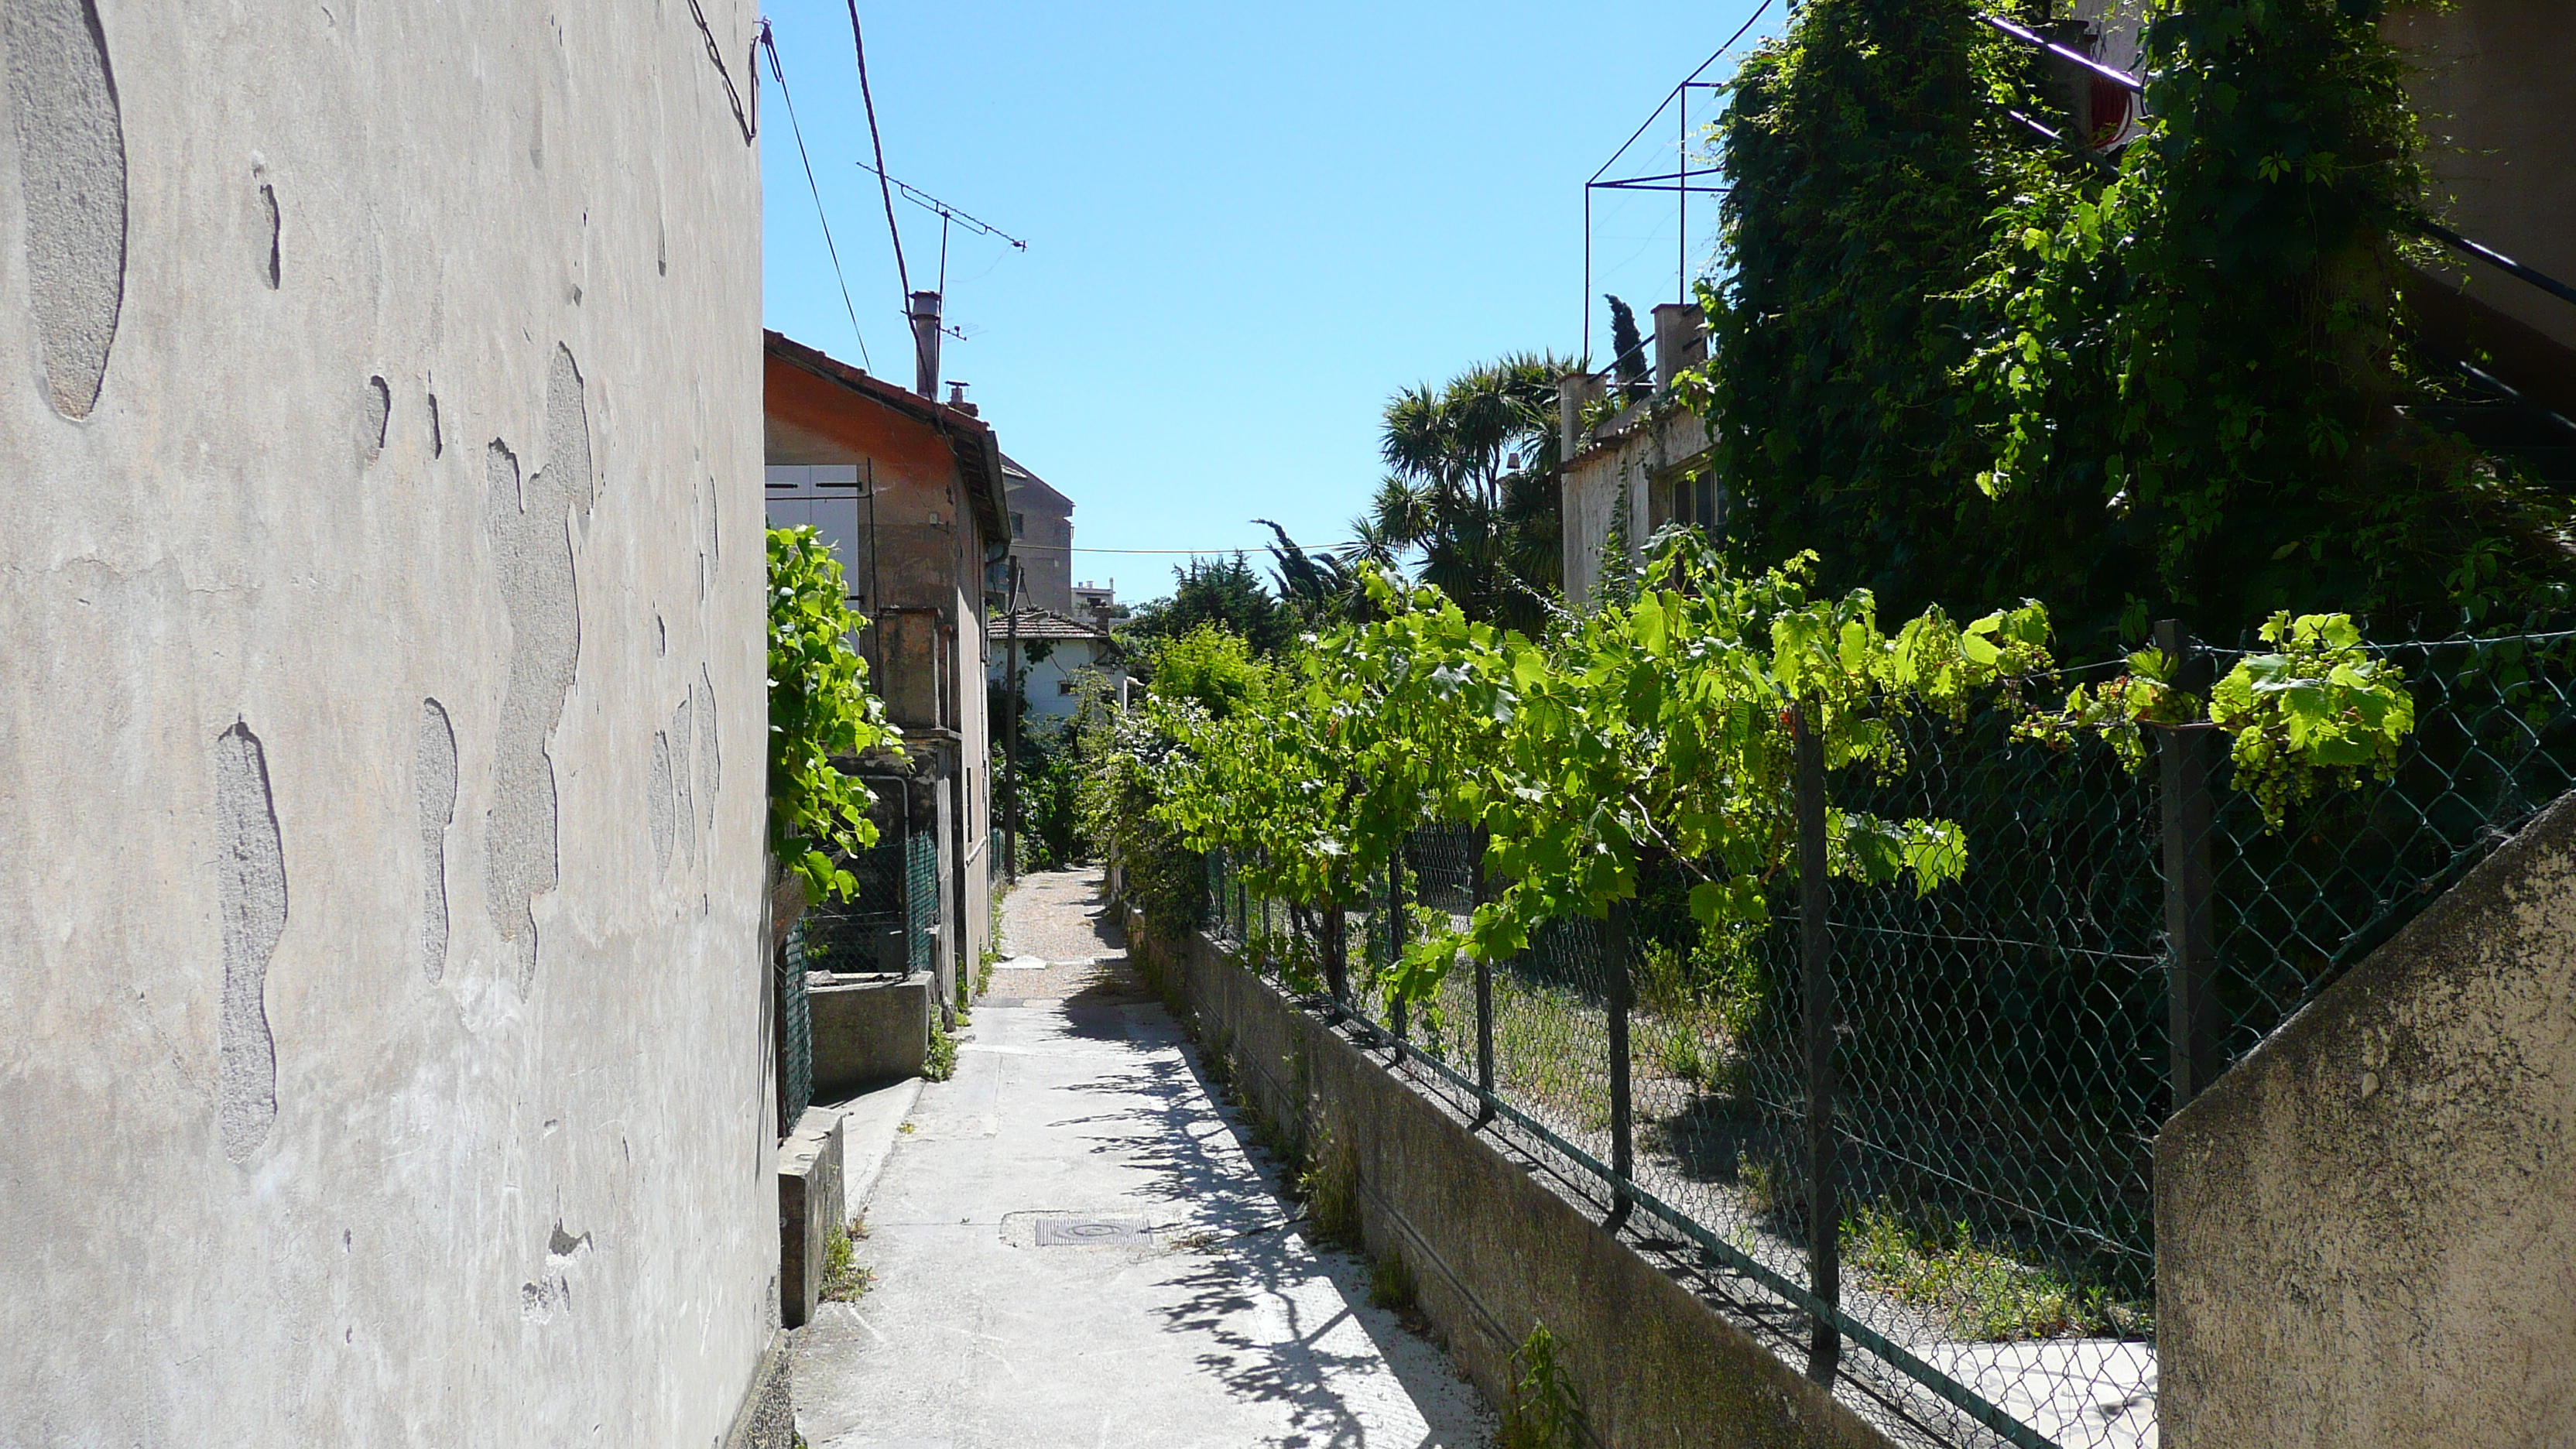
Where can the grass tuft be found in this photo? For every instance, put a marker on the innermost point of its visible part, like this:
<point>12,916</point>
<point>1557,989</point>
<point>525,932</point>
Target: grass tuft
<point>1391,1283</point>
<point>1980,1293</point>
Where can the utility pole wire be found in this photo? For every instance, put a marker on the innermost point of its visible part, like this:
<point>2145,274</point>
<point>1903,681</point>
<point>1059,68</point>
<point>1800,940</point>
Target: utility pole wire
<point>828,244</point>
<point>868,99</point>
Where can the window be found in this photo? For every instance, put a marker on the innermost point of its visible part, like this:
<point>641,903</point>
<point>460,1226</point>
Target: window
<point>1019,525</point>
<point>1064,686</point>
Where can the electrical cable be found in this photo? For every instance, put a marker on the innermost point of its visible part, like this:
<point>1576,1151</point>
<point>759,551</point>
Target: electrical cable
<point>829,245</point>
<point>1026,547</point>
<point>750,125</point>
<point>869,100</point>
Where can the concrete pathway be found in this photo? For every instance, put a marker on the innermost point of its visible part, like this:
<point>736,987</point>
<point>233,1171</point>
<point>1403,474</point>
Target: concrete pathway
<point>1074,1246</point>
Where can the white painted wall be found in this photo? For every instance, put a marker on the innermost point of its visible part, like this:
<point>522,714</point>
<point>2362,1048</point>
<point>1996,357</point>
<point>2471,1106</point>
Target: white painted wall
<point>358,1092</point>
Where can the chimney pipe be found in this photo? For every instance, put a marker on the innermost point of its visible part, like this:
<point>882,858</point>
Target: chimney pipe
<point>924,313</point>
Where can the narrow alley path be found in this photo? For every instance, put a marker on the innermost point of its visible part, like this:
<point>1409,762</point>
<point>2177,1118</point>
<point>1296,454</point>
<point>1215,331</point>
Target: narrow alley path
<point>1074,1246</point>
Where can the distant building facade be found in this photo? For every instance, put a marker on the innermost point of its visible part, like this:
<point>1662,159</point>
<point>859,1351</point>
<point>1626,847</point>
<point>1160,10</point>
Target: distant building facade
<point>1638,470</point>
<point>1053,650</point>
<point>1041,541</point>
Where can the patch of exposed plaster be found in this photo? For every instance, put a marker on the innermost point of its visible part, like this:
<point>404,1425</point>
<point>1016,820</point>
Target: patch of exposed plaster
<point>657,802</point>
<point>250,888</point>
<point>434,779</point>
<point>707,762</point>
<point>71,164</point>
<point>684,811</point>
<point>270,274</point>
<point>551,1291</point>
<point>531,528</point>
<point>375,414</point>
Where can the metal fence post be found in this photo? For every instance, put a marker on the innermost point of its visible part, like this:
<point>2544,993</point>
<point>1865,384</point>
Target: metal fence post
<point>1332,941</point>
<point>1623,1166</point>
<point>1484,1007</point>
<point>1816,959</point>
<point>1395,931</point>
<point>2191,951</point>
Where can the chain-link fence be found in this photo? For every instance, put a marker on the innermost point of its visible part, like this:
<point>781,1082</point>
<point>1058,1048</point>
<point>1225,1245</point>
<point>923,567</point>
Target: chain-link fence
<point>795,1032</point>
<point>2495,742</point>
<point>2002,1048</point>
<point>863,935</point>
<point>921,901</point>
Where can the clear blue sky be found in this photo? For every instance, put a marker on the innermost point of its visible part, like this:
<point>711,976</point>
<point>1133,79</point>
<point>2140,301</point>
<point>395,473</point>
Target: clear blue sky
<point>1247,225</point>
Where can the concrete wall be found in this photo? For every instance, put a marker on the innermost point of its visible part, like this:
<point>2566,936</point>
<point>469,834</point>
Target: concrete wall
<point>2366,1231</point>
<point>867,1033</point>
<point>380,751</point>
<point>1494,1252</point>
<point>811,1210</point>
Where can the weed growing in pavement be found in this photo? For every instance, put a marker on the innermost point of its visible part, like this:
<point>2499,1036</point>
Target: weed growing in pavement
<point>1766,1189</point>
<point>845,1278</point>
<point>1545,1412</point>
<point>1391,1283</point>
<point>1330,1185</point>
<point>941,1062</point>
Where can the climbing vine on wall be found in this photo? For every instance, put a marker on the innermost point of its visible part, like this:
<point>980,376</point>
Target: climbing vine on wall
<point>1967,361</point>
<point>819,708</point>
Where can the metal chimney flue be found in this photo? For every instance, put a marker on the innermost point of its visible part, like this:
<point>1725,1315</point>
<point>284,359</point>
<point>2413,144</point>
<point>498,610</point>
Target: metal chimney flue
<point>924,313</point>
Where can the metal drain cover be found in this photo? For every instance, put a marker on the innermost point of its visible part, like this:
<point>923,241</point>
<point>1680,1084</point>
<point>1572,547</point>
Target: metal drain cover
<point>1093,1232</point>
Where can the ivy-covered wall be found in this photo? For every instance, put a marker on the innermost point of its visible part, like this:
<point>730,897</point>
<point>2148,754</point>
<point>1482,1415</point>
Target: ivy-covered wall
<point>1964,361</point>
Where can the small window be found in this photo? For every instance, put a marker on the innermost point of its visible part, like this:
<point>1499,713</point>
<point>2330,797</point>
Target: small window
<point>1064,686</point>
<point>1019,525</point>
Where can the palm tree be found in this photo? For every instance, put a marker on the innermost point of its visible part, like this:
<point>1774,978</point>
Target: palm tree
<point>1473,488</point>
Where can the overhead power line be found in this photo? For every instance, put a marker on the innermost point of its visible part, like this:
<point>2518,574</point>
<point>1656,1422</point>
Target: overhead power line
<point>877,141</point>
<point>775,69</point>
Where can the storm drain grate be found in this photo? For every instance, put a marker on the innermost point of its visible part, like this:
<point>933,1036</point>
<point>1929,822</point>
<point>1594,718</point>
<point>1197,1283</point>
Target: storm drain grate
<point>1093,1232</point>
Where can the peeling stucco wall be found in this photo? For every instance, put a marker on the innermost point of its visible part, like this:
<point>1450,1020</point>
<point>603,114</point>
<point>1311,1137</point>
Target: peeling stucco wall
<point>71,178</point>
<point>2366,1230</point>
<point>379,408</point>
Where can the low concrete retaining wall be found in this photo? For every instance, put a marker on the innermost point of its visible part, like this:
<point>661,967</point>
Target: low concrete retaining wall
<point>2366,1231</point>
<point>867,1033</point>
<point>810,1210</point>
<point>1492,1251</point>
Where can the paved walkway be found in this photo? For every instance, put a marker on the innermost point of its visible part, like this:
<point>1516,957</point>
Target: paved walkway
<point>1073,1246</point>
